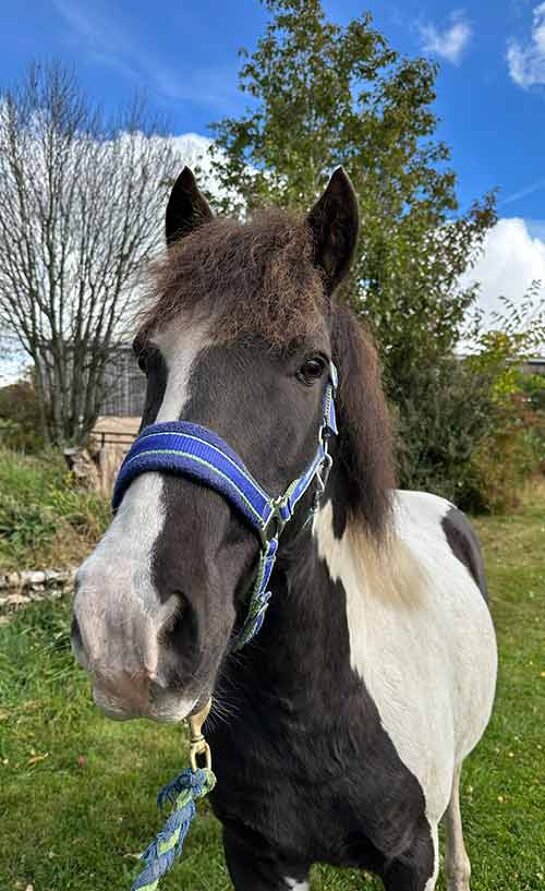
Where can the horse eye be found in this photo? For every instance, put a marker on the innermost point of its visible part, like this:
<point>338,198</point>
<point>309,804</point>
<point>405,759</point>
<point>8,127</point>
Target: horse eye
<point>142,360</point>
<point>311,370</point>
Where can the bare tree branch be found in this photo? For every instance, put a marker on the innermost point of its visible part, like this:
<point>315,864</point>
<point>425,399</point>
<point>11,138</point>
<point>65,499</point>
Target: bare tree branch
<point>80,204</point>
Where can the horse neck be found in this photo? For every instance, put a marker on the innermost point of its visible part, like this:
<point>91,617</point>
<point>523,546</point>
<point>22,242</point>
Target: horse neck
<point>302,650</point>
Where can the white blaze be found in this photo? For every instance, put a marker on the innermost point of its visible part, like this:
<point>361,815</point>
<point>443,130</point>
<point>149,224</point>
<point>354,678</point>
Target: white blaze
<point>124,556</point>
<point>180,347</point>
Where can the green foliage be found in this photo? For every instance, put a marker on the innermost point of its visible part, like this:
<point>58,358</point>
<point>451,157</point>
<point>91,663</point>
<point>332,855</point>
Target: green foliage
<point>516,332</point>
<point>459,439</point>
<point>325,95</point>
<point>78,791</point>
<point>21,417</point>
<point>514,447</point>
<point>443,419</point>
<point>468,431</point>
<point>45,519</point>
<point>502,462</point>
<point>532,386</point>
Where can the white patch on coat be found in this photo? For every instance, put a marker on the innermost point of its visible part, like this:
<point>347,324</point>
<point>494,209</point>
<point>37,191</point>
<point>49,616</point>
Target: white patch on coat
<point>296,885</point>
<point>421,638</point>
<point>117,606</point>
<point>180,344</point>
<point>457,865</point>
<point>121,562</point>
<point>430,884</point>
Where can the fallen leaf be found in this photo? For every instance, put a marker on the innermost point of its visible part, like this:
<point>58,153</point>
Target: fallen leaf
<point>35,759</point>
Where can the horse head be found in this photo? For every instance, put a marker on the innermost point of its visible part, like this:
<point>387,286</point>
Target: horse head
<point>238,339</point>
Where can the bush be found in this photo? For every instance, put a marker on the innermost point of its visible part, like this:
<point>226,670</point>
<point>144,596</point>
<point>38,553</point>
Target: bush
<point>473,430</point>
<point>439,428</point>
<point>45,519</point>
<point>532,392</point>
<point>533,388</point>
<point>502,462</point>
<point>20,417</point>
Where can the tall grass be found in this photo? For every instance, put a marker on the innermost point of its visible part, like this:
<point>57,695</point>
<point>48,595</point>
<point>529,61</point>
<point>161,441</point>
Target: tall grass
<point>46,521</point>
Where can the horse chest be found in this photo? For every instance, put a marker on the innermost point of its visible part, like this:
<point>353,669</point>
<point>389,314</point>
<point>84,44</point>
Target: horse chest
<point>338,794</point>
<point>368,684</point>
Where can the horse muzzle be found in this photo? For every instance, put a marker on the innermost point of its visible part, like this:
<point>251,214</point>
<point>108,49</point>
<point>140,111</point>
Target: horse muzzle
<point>136,692</point>
<point>124,646</point>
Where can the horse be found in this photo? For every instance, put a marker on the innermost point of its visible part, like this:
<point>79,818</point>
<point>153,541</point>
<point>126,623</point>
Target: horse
<point>339,731</point>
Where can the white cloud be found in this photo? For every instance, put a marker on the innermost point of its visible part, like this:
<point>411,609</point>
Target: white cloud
<point>526,61</point>
<point>193,150</point>
<point>449,42</point>
<point>511,261</point>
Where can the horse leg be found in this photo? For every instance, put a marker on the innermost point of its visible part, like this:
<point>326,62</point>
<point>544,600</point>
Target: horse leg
<point>457,866</point>
<point>417,869</point>
<point>254,866</point>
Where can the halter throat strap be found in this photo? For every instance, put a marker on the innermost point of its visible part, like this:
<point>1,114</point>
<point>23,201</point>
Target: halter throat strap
<point>194,451</point>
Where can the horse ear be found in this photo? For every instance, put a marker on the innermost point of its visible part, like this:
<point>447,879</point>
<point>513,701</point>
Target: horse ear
<point>187,208</point>
<point>334,221</point>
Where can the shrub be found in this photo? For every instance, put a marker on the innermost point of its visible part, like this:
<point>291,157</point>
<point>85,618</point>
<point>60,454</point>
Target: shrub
<point>439,427</point>
<point>533,388</point>
<point>473,430</point>
<point>20,417</point>
<point>45,519</point>
<point>502,462</point>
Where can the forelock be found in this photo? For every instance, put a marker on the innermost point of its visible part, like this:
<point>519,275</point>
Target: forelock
<point>255,278</point>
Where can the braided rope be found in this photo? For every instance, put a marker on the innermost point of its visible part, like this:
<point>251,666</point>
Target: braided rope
<point>168,844</point>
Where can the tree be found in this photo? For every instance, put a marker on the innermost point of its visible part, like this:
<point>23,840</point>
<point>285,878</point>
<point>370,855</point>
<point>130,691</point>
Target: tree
<point>322,95</point>
<point>80,200</point>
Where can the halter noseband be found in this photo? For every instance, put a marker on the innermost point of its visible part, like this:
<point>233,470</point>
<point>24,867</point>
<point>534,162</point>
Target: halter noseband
<point>191,450</point>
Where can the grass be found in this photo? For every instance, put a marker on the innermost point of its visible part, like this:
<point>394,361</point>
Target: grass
<point>77,791</point>
<point>45,520</point>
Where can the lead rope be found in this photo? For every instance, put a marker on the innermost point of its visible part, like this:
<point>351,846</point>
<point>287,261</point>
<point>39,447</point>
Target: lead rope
<point>191,784</point>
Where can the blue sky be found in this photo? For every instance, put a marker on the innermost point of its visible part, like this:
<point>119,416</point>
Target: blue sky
<point>184,56</point>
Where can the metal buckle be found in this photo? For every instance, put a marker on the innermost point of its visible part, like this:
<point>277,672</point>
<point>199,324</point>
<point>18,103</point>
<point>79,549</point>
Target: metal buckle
<point>197,743</point>
<point>276,517</point>
<point>322,474</point>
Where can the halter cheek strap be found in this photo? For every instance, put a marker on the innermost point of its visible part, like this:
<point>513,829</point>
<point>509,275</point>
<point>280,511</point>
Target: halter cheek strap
<point>191,450</point>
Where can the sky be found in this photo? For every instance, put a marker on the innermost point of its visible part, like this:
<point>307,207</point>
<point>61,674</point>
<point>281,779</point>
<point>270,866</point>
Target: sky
<point>183,56</point>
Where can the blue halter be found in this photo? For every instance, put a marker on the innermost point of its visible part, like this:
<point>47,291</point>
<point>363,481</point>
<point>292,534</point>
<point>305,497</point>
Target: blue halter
<point>187,449</point>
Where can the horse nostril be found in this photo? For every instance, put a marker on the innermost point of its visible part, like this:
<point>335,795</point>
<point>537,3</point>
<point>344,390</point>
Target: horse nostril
<point>77,643</point>
<point>177,639</point>
<point>75,634</point>
<point>172,613</point>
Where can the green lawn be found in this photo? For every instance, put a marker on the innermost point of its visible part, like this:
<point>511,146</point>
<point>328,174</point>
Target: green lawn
<point>77,791</point>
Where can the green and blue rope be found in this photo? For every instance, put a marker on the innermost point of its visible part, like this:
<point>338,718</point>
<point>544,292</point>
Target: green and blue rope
<point>182,792</point>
